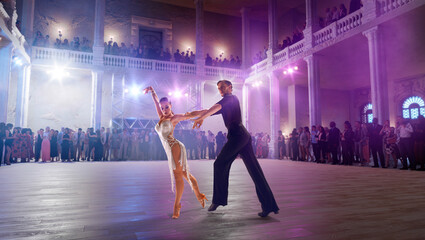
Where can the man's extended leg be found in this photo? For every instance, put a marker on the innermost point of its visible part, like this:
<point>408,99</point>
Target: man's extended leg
<point>264,193</point>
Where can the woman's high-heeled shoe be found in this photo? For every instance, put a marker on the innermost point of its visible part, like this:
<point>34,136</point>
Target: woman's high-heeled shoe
<point>176,213</point>
<point>202,200</point>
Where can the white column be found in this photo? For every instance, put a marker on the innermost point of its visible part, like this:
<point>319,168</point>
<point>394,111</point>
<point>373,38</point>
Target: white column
<point>245,108</point>
<point>199,58</point>
<point>272,5</point>
<point>246,38</point>
<point>99,29</point>
<point>96,100</point>
<point>27,24</point>
<point>274,113</point>
<point>22,96</point>
<point>5,69</point>
<point>314,90</point>
<point>311,22</point>
<point>202,95</point>
<point>272,32</point>
<point>378,78</point>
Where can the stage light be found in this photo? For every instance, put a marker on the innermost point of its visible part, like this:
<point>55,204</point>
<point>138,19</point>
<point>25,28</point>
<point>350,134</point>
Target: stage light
<point>170,94</point>
<point>186,95</point>
<point>285,72</point>
<point>177,94</point>
<point>135,90</point>
<point>290,70</point>
<point>126,90</point>
<point>296,68</point>
<point>58,73</point>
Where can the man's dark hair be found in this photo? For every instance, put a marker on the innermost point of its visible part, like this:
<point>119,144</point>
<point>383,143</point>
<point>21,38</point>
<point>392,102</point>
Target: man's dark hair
<point>227,82</point>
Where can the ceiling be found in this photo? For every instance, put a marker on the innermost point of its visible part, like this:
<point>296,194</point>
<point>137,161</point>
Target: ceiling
<point>233,7</point>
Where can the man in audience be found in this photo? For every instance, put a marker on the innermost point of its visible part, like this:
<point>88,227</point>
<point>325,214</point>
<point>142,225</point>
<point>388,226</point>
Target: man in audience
<point>334,142</point>
<point>406,144</point>
<point>375,143</point>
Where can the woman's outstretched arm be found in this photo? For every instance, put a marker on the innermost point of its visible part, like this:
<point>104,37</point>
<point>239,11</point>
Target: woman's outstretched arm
<point>155,100</point>
<point>206,113</point>
<point>195,114</point>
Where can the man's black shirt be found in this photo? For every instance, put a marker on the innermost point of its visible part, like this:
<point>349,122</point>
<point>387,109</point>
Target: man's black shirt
<point>231,111</point>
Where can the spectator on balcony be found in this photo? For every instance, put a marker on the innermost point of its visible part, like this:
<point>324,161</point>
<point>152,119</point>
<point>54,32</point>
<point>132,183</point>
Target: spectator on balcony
<point>342,11</point>
<point>85,46</point>
<point>225,62</point>
<point>185,57</point>
<point>145,53</point>
<point>335,14</point>
<point>58,43</point>
<point>123,50</point>
<point>131,51</point>
<point>264,53</point>
<point>321,22</point>
<point>355,5</point>
<point>208,60</point>
<point>75,45</point>
<point>177,56</point>
<point>46,42</point>
<point>285,44</point>
<point>232,62</point>
<point>115,49</point>
<point>65,44</point>
<point>139,53</point>
<point>297,36</point>
<point>167,55</point>
<point>38,40</point>
<point>192,57</point>
<point>329,16</point>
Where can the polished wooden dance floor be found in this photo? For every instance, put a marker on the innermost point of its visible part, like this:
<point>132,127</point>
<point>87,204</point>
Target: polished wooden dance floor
<point>133,200</point>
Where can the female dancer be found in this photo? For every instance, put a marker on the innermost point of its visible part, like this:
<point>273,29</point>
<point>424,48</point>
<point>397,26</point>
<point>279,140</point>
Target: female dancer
<point>176,151</point>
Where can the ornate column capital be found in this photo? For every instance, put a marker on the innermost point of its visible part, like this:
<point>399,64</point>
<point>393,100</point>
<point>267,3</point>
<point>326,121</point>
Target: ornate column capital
<point>371,33</point>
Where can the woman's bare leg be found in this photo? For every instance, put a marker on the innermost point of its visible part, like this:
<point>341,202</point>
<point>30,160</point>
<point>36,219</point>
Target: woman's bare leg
<point>178,176</point>
<point>194,184</point>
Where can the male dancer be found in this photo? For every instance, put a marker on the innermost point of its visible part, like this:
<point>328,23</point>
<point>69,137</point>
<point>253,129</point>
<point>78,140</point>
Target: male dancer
<point>239,142</point>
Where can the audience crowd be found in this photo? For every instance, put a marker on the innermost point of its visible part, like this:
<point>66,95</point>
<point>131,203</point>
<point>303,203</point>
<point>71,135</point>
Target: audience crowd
<point>146,52</point>
<point>386,145</point>
<point>232,62</point>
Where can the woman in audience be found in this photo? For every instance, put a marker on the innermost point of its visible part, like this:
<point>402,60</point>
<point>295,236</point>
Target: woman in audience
<point>323,150</point>
<point>54,145</point>
<point>66,145</point>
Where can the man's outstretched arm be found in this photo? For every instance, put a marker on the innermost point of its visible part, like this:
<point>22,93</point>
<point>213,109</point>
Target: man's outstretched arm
<point>198,122</point>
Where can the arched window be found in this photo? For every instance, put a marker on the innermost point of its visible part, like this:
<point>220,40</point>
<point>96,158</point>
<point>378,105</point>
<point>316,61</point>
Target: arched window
<point>366,113</point>
<point>413,107</point>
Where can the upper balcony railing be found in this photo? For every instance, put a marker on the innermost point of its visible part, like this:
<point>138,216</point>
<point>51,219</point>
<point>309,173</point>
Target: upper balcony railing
<point>339,27</point>
<point>43,55</point>
<point>289,52</point>
<point>386,6</point>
